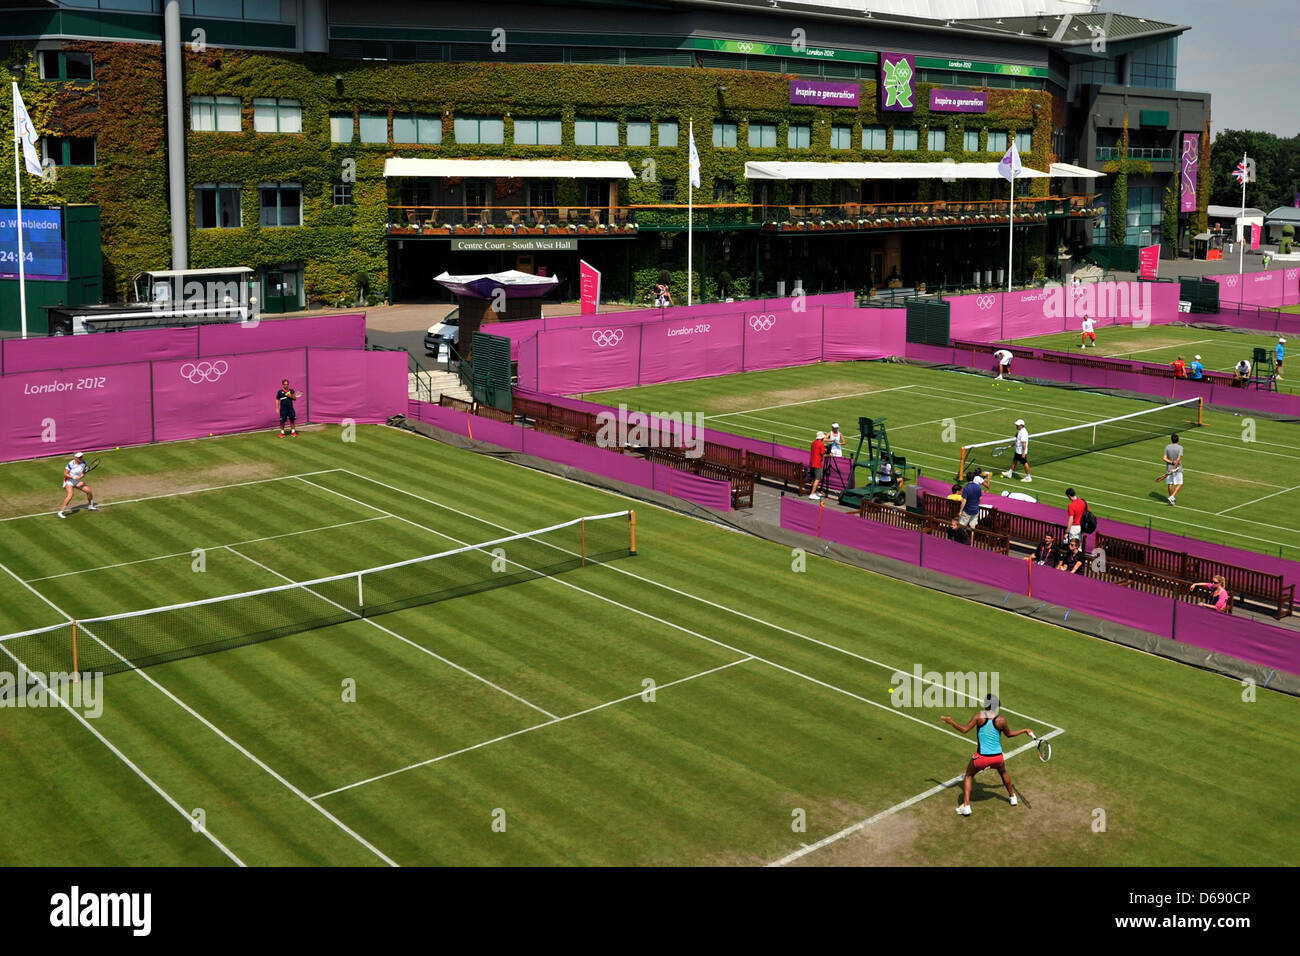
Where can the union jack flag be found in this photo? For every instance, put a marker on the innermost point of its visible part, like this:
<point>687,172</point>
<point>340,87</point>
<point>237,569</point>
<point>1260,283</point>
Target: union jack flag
<point>1240,172</point>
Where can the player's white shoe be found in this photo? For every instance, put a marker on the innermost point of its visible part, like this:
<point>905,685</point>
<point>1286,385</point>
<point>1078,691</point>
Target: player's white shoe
<point>93,507</point>
<point>1171,500</point>
<point>1014,801</point>
<point>1027,478</point>
<point>62,515</point>
<point>998,379</point>
<point>1008,474</point>
<point>963,810</point>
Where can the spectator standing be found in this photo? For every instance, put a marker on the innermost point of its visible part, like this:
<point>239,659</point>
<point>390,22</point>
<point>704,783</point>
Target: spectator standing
<point>1196,371</point>
<point>1074,515</point>
<point>1280,353</point>
<point>1180,368</point>
<point>970,502</point>
<point>816,459</point>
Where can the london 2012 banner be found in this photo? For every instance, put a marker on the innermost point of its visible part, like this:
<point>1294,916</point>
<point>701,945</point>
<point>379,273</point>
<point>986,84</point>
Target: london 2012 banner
<point>1187,180</point>
<point>897,82</point>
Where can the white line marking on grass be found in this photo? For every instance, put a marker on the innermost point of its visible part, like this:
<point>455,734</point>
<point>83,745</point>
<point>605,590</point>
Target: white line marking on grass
<point>806,848</point>
<point>812,401</point>
<point>212,547</point>
<point>373,623</point>
<point>672,624</point>
<point>190,491</point>
<point>124,758</point>
<point>1257,500</point>
<point>1157,348</point>
<point>527,730</point>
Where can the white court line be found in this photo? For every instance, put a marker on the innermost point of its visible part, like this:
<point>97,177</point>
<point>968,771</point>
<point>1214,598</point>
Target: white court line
<point>216,730</point>
<point>108,743</point>
<point>1255,501</point>
<point>392,633</point>
<point>212,547</point>
<point>702,600</point>
<point>188,491</point>
<point>812,401</point>
<point>527,730</point>
<point>910,801</point>
<point>1157,348</point>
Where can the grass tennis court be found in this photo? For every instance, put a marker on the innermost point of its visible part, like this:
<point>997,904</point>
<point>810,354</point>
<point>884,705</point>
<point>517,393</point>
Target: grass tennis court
<point>526,704</point>
<point>1220,351</point>
<point>1243,493</point>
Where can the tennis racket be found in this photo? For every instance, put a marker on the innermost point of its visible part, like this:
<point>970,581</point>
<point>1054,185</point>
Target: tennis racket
<point>1162,476</point>
<point>1001,450</point>
<point>1044,750</point>
<point>91,466</point>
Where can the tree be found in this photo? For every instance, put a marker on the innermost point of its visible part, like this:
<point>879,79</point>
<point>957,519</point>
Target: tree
<point>1277,168</point>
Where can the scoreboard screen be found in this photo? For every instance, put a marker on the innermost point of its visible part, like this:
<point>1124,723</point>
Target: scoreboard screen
<point>44,254</point>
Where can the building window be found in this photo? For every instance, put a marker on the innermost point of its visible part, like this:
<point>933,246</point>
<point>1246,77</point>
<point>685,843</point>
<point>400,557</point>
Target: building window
<point>589,131</point>
<point>1024,142</point>
<point>873,137</point>
<point>539,132</point>
<point>485,130</point>
<point>541,192</point>
<point>724,190</point>
<point>374,127</point>
<point>798,137</point>
<point>221,114</point>
<point>668,190</point>
<point>997,143</point>
<point>217,207</point>
<point>905,139</point>
<point>724,135</point>
<point>638,132</point>
<point>668,133</point>
<point>69,150</point>
<point>343,194</point>
<point>762,136</point>
<point>277,116</point>
<point>841,137</point>
<point>342,127</point>
<point>66,65</point>
<point>936,140</point>
<point>281,205</point>
<point>425,130</point>
<point>970,141</point>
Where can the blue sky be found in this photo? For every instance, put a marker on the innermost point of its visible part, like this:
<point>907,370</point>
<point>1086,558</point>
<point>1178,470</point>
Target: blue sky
<point>1241,51</point>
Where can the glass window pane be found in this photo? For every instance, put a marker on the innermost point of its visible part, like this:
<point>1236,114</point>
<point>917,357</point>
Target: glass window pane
<point>1024,142</point>
<point>203,116</point>
<point>971,141</point>
<point>229,114</point>
<point>228,199</point>
<point>341,128</point>
<point>466,128</point>
<point>231,9</point>
<point>262,10</point>
<point>291,206</point>
<point>525,132</point>
<point>404,129</point>
<point>607,133</point>
<point>290,116</point>
<point>550,132</point>
<point>264,119</point>
<point>668,133</point>
<point>270,206</point>
<point>937,140</point>
<point>374,128</point>
<point>78,66</point>
<point>584,132</point>
<point>429,129</point>
<point>492,131</point>
<point>638,133</point>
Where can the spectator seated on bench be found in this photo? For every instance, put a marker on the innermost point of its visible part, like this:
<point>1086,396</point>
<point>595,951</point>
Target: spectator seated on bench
<point>1219,598</point>
<point>957,533</point>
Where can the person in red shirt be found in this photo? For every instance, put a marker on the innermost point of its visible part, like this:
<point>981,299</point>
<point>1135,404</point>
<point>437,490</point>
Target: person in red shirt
<point>815,459</point>
<point>1180,368</point>
<point>1074,515</point>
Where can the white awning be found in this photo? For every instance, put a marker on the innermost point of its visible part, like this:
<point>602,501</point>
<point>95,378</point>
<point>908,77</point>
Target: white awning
<point>796,170</point>
<point>517,284</point>
<point>508,168</point>
<point>1066,171</point>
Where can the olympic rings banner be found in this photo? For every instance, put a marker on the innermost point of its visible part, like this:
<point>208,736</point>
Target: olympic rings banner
<point>106,406</point>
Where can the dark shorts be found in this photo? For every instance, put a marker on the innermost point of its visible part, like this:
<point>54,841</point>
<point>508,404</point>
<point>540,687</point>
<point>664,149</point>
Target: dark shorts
<point>1018,459</point>
<point>982,762</point>
<point>287,414</point>
<point>817,473</point>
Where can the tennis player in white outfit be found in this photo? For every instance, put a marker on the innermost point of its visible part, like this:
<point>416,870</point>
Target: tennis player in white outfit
<point>73,472</point>
<point>1021,455</point>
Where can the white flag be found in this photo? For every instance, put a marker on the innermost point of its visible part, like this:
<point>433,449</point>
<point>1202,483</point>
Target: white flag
<point>695,160</point>
<point>27,134</point>
<point>1009,167</point>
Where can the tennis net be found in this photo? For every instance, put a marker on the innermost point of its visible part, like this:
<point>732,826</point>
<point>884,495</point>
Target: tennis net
<point>1062,443</point>
<point>136,639</point>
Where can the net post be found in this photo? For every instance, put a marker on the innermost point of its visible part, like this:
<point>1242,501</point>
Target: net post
<point>1200,411</point>
<point>361,601</point>
<point>961,464</point>
<point>631,521</point>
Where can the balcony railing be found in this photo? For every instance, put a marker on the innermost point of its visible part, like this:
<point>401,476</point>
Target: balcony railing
<point>1106,153</point>
<point>628,220</point>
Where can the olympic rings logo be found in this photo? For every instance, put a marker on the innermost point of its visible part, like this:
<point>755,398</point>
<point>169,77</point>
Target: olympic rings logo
<point>204,371</point>
<point>607,338</point>
<point>761,323</point>
<point>1291,274</point>
<point>985,302</point>
<point>1231,282</point>
<point>745,47</point>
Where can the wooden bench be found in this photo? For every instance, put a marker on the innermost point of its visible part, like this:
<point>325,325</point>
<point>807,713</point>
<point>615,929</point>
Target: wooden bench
<point>778,469</point>
<point>451,401</point>
<point>496,414</point>
<point>984,539</point>
<point>531,408</point>
<point>724,454</point>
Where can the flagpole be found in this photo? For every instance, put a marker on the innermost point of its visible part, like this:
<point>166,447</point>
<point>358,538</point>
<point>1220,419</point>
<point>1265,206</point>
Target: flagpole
<point>1011,227</point>
<point>18,223</point>
<point>1241,224</point>
<point>690,223</point>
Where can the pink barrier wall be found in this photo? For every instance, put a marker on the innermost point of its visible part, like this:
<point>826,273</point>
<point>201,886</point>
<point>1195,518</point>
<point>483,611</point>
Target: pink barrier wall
<point>220,395</point>
<point>850,334</point>
<point>1275,287</point>
<point>777,339</point>
<point>1253,317</point>
<point>366,387</point>
<point>691,348</point>
<point>146,345</point>
<point>994,316</point>
<point>1247,640</point>
<point>587,360</point>
<point>59,411</point>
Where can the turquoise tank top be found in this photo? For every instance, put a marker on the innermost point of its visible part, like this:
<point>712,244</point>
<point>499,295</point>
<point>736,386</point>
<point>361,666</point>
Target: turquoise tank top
<point>990,739</point>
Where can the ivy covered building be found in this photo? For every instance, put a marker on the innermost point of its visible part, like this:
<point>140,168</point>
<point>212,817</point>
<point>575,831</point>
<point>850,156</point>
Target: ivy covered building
<point>347,148</point>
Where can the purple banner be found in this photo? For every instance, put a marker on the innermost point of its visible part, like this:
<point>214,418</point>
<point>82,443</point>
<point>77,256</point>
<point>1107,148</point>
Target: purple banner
<point>694,348</point>
<point>822,93</point>
<point>850,334</point>
<point>59,412</point>
<point>366,387</point>
<point>222,394</point>
<point>781,339</point>
<point>588,360</point>
<point>321,332</point>
<point>958,101</point>
<point>1187,178</point>
<point>1254,288</point>
<point>897,82</point>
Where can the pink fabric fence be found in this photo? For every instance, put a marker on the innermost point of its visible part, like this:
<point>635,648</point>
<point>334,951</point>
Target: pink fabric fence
<point>1247,640</point>
<point>598,461</point>
<point>1275,287</point>
<point>993,316</point>
<point>195,341</point>
<point>109,406</point>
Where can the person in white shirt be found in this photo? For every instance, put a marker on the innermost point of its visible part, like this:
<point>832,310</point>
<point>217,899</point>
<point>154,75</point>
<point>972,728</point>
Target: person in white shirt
<point>73,472</point>
<point>1004,363</point>
<point>1021,455</point>
<point>1088,333</point>
<point>1243,374</point>
<point>836,441</point>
